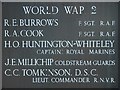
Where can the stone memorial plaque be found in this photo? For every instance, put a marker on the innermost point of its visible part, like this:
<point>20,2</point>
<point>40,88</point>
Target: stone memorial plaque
<point>60,45</point>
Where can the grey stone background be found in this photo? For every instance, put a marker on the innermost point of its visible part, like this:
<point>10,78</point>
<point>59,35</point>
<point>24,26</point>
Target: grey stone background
<point>35,1</point>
